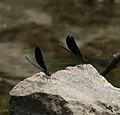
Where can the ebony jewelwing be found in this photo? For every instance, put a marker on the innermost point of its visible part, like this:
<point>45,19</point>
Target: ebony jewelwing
<point>40,61</point>
<point>73,48</point>
<point>112,65</point>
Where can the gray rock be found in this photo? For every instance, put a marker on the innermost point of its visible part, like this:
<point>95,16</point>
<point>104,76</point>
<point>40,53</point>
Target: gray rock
<point>78,90</point>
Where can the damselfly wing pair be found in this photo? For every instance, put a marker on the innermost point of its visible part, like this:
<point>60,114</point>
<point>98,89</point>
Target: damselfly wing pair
<point>73,48</point>
<point>40,61</point>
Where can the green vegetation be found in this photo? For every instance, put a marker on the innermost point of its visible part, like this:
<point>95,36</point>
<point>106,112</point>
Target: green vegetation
<point>4,105</point>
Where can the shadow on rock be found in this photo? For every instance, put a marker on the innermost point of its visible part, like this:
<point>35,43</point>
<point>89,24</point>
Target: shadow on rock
<point>39,103</point>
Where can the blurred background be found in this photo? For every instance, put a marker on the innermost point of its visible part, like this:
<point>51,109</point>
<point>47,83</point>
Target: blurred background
<point>25,24</point>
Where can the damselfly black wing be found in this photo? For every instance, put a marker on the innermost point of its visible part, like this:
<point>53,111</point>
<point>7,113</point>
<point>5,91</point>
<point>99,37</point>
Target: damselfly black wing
<point>73,46</point>
<point>65,48</point>
<point>40,60</point>
<point>30,61</point>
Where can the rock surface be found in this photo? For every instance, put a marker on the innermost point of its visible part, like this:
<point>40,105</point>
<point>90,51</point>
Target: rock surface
<point>78,90</point>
